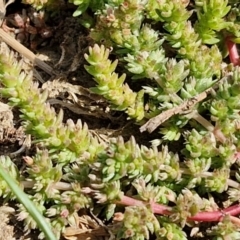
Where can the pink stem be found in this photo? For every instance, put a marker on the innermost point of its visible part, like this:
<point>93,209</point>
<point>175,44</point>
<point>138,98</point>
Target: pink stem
<point>233,210</point>
<point>235,220</point>
<point>233,52</point>
<point>157,208</point>
<point>214,216</point>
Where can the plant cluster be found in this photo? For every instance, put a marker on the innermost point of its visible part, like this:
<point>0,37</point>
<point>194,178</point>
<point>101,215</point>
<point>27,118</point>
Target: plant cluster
<point>176,52</point>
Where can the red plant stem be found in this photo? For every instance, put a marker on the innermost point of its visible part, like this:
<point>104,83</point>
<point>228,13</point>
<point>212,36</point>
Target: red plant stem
<point>235,220</point>
<point>233,210</point>
<point>228,209</point>
<point>161,209</point>
<point>233,52</point>
<point>214,216</point>
<point>157,208</point>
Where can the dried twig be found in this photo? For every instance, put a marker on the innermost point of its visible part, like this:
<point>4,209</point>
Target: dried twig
<point>26,145</point>
<point>156,121</point>
<point>17,45</point>
<point>187,105</point>
<point>25,52</point>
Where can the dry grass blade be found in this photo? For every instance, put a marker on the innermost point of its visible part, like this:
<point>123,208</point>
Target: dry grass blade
<point>187,105</point>
<point>154,122</point>
<point>25,52</point>
<point>87,228</point>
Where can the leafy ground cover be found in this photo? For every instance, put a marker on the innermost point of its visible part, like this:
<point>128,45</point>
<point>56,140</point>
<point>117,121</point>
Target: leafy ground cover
<point>119,119</point>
